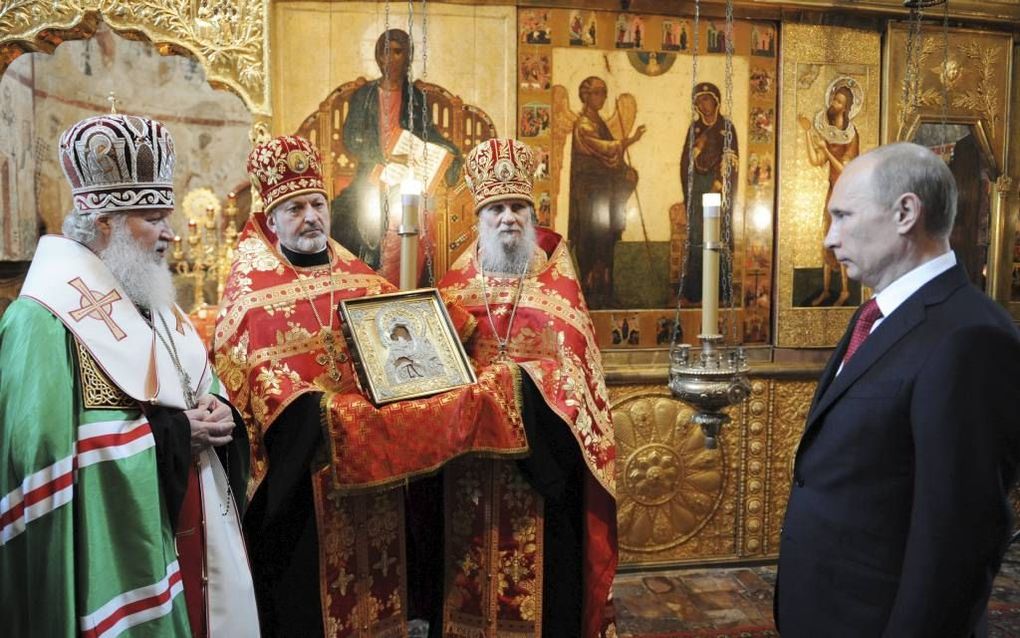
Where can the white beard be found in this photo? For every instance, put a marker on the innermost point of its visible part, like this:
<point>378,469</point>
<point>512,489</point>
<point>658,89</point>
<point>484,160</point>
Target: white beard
<point>144,276</point>
<point>497,256</point>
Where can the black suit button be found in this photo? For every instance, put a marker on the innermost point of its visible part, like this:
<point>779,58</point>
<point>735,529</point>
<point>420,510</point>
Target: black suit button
<point>798,481</point>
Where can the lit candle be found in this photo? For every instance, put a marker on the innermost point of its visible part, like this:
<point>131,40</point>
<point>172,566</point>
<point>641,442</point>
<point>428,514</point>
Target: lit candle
<point>711,203</point>
<point>178,252</point>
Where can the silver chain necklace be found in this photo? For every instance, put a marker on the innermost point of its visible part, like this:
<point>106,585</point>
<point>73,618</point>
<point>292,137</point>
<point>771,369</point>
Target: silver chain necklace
<point>502,342</point>
<point>190,396</point>
<point>168,343</point>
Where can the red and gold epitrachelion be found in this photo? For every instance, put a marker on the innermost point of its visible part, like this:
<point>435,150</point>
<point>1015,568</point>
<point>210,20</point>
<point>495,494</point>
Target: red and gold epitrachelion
<point>272,347</point>
<point>495,555</point>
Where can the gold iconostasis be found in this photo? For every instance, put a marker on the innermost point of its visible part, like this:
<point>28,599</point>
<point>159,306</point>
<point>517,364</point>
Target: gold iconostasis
<point>612,101</point>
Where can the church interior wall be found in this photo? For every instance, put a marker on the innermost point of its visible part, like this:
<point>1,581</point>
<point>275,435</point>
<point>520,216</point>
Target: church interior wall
<point>679,503</point>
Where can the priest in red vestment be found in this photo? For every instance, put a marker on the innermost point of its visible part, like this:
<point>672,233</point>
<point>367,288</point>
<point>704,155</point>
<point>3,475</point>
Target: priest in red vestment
<point>326,523</point>
<point>541,550</point>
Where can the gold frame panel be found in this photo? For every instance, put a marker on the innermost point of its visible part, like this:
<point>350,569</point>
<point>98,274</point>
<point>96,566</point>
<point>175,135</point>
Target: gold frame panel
<point>229,40</point>
<point>1007,223</point>
<point>682,504</point>
<point>827,47</point>
<point>979,87</point>
<point>422,314</point>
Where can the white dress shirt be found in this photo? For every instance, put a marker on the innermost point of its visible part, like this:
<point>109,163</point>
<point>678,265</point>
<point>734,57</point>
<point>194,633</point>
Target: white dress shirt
<point>900,290</point>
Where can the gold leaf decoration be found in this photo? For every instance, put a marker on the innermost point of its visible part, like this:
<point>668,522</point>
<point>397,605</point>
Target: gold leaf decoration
<point>227,37</point>
<point>983,98</point>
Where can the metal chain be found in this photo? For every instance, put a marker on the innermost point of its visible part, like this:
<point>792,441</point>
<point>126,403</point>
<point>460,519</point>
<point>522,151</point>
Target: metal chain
<point>386,28</point>
<point>910,76</point>
<point>191,397</point>
<point>729,189</point>
<point>190,394</point>
<point>384,191</point>
<point>424,39</point>
<point>426,239</point>
<point>505,340</point>
<point>410,65</point>
<point>689,195</point>
<point>945,72</point>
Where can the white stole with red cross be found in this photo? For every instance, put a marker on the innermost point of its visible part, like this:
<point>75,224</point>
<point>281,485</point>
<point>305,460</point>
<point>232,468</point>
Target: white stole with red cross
<point>76,286</point>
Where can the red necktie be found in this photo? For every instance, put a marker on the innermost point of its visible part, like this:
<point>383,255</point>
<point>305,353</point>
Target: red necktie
<point>870,313</point>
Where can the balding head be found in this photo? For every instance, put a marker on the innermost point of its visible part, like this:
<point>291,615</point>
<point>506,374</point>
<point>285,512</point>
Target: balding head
<point>891,210</point>
<point>905,167</point>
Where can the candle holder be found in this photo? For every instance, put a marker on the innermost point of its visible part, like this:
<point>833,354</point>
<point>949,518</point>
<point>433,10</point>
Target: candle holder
<point>208,249</point>
<point>717,378</point>
<point>714,379</point>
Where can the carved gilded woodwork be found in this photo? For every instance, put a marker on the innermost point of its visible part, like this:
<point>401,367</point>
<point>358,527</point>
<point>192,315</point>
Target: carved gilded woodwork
<point>229,39</point>
<point>680,503</point>
<point>963,77</point>
<point>976,81</point>
<point>673,484</point>
<point>788,405</point>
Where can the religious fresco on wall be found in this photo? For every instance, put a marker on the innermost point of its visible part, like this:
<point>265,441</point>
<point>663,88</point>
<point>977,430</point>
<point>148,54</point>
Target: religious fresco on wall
<point>389,133</point>
<point>583,29</point>
<point>535,26</point>
<point>675,35</point>
<point>210,127</point>
<point>535,72</point>
<point>377,131</point>
<point>831,141</point>
<point>620,125</point>
<point>763,40</point>
<point>830,115</point>
<point>19,224</point>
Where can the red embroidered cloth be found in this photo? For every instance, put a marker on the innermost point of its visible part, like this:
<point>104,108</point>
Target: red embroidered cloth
<point>270,349</point>
<point>553,341</point>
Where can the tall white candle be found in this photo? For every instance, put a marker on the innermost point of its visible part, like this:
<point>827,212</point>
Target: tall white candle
<point>410,199</point>
<point>711,204</point>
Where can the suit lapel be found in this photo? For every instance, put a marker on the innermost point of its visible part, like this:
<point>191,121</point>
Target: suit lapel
<point>892,329</point>
<point>833,364</point>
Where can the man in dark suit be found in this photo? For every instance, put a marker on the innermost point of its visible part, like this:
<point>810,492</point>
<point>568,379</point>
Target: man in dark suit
<point>898,516</point>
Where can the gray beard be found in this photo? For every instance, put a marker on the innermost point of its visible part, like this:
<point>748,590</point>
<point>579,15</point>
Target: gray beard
<point>497,257</point>
<point>309,245</point>
<point>144,276</point>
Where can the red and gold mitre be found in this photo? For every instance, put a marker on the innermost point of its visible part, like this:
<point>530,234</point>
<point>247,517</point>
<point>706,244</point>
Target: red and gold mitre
<point>118,163</point>
<point>283,167</point>
<point>499,169</point>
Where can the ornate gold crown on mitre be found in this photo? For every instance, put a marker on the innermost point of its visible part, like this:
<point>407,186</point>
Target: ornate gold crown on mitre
<point>118,163</point>
<point>283,167</point>
<point>499,169</point>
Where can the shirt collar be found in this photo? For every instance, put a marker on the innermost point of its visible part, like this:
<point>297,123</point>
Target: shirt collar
<point>900,290</point>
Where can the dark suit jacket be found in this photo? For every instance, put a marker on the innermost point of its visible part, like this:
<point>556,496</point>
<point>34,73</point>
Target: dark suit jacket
<point>898,515</point>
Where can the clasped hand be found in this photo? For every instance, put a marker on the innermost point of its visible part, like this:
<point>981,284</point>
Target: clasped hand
<point>211,423</point>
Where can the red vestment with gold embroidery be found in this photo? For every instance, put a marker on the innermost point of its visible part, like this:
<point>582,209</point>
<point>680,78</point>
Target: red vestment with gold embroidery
<point>552,339</point>
<point>271,348</point>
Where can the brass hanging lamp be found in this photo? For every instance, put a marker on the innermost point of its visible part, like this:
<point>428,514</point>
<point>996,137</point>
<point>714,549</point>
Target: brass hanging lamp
<point>715,377</point>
